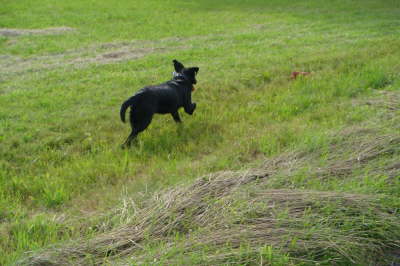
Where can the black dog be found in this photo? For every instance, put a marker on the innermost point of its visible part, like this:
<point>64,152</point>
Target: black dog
<point>165,98</point>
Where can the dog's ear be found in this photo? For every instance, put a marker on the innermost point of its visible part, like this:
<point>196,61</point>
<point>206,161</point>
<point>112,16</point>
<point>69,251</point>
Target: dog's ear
<point>178,66</point>
<point>195,69</point>
<point>191,73</point>
<point>192,70</point>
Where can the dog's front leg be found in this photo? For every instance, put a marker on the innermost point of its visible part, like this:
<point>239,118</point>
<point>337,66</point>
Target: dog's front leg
<point>188,105</point>
<point>190,108</point>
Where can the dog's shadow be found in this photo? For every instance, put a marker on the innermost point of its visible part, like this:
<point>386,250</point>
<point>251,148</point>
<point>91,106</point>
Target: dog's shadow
<point>185,137</point>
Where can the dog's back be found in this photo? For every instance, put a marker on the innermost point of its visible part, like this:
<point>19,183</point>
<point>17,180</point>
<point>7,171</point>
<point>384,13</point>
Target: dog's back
<point>163,98</point>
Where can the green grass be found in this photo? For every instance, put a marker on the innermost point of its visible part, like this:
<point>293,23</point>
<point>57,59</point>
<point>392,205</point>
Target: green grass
<point>59,126</point>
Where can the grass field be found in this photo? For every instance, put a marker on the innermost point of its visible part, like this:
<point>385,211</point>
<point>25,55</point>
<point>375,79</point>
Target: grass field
<point>66,67</point>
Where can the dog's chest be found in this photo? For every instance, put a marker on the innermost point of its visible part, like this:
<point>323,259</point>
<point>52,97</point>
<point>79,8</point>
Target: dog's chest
<point>168,101</point>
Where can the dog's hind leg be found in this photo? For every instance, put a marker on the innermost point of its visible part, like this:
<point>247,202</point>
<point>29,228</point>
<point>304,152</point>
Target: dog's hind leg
<point>130,138</point>
<point>176,117</point>
<point>139,123</point>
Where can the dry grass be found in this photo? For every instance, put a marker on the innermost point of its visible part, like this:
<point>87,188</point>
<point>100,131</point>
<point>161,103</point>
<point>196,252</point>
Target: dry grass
<point>389,100</point>
<point>362,152</point>
<point>235,208</point>
<point>357,146</point>
<point>48,31</point>
<point>167,209</point>
<point>16,65</point>
<point>259,226</point>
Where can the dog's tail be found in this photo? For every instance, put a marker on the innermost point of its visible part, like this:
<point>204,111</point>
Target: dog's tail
<point>125,106</point>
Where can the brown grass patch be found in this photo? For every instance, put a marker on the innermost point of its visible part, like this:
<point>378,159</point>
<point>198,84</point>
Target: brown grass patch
<point>76,59</point>
<point>47,31</point>
<point>389,100</point>
<point>104,53</point>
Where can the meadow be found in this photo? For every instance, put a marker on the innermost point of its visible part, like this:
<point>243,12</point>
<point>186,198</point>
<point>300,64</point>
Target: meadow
<point>66,67</point>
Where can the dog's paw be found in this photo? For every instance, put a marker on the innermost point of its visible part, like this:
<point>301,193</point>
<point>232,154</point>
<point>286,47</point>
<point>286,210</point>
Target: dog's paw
<point>193,108</point>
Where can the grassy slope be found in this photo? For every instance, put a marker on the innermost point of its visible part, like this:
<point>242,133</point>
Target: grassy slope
<point>251,217</point>
<point>60,132</point>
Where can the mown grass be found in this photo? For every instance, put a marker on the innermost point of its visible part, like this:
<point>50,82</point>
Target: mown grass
<point>60,131</point>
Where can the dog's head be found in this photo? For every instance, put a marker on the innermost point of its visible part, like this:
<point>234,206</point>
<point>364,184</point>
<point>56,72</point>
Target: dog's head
<point>186,73</point>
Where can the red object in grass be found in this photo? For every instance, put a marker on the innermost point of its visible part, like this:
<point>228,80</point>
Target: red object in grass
<point>296,73</point>
<point>193,88</point>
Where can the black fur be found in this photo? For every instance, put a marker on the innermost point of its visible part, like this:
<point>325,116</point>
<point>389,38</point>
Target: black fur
<point>165,98</point>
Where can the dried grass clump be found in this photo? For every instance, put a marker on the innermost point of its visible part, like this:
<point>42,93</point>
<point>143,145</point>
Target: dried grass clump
<point>362,149</point>
<point>234,209</point>
<point>308,225</point>
<point>389,100</point>
<point>358,146</point>
<point>164,214</point>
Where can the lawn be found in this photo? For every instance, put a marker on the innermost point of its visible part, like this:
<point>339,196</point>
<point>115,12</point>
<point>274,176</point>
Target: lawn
<point>66,67</point>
